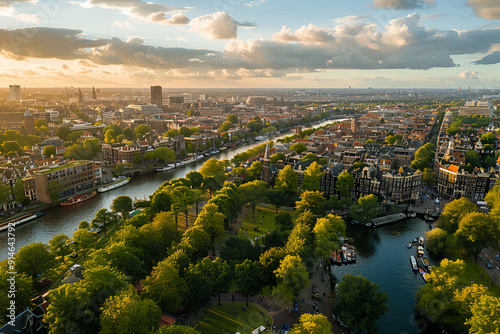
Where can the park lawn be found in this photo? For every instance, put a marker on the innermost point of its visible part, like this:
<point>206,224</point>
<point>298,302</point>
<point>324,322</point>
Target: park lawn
<point>221,319</point>
<point>473,271</point>
<point>250,221</point>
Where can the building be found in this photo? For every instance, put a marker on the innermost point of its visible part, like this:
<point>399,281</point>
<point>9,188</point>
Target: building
<point>121,154</point>
<point>177,144</point>
<point>27,322</point>
<point>480,108</point>
<point>29,123</point>
<point>402,186</point>
<point>156,96</point>
<point>266,170</point>
<point>14,93</point>
<point>59,182</point>
<point>30,187</point>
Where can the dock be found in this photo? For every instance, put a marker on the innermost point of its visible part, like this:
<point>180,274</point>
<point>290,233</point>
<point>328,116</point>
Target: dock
<point>381,221</point>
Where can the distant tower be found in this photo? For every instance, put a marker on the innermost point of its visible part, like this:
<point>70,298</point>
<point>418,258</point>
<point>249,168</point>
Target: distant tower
<point>14,93</point>
<point>156,96</point>
<point>94,95</point>
<point>29,123</point>
<point>266,171</point>
<point>354,125</point>
<point>80,96</point>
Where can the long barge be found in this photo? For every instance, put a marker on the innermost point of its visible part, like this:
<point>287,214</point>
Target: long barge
<point>20,220</point>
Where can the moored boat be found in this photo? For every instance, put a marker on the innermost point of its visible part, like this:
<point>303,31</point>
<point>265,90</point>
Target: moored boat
<point>339,257</point>
<point>78,198</point>
<point>353,256</point>
<point>410,244</point>
<point>20,220</point>
<point>369,224</point>
<point>420,251</point>
<point>425,262</point>
<point>413,262</point>
<point>178,164</point>
<point>423,273</point>
<point>121,181</point>
<point>421,241</point>
<point>344,254</point>
<point>165,168</point>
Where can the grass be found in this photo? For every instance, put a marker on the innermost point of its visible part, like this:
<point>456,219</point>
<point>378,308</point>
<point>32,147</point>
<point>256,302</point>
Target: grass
<point>473,271</point>
<point>265,215</point>
<point>222,319</point>
<point>68,165</point>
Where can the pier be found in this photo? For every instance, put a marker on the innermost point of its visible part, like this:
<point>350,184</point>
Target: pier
<point>381,221</point>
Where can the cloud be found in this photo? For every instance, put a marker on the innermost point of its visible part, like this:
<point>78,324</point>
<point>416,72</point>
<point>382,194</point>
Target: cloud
<point>488,9</point>
<point>122,25</point>
<point>65,67</point>
<point>492,58</point>
<point>255,3</point>
<point>28,18</point>
<point>308,34</point>
<point>351,19</point>
<point>146,11</point>
<point>45,43</point>
<point>468,75</point>
<point>402,4</point>
<point>219,25</point>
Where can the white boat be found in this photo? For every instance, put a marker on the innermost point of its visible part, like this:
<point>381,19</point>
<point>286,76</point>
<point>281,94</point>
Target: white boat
<point>199,157</point>
<point>413,262</point>
<point>215,152</point>
<point>262,138</point>
<point>178,164</point>
<point>164,169</point>
<point>118,183</point>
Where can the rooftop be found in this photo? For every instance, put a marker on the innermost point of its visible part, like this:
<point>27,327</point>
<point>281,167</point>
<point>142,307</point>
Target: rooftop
<point>64,166</point>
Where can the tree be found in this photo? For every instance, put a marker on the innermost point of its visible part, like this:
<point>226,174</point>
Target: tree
<point>476,231</point>
<point>436,241</point>
<point>232,118</point>
<point>359,303</point>
<point>253,193</point>
<point>34,260</point>
<point>312,177</point>
<point>129,133</point>
<point>310,156</point>
<point>453,213</point>
<point>367,208</point>
<point>344,183</point>
<point>164,154</point>
<point>58,246</point>
<point>104,219</point>
<point>83,225</point>
<point>225,126</point>
<point>141,130</point>
<point>393,139</point>
<point>122,204</point>
<point>269,262</point>
<point>196,197</point>
<point>429,176</point>
<point>119,256</point>
<point>218,273</point>
<point>311,201</point>
<point>23,294</point>
<point>248,278</point>
<point>128,313</point>
<point>213,168</point>
<point>277,197</point>
<point>312,324</point>
<point>485,316</point>
<point>49,151</point>
<point>287,180</point>
<point>195,240</point>
<point>137,158</point>
<point>195,178</point>
<point>493,200</point>
<point>212,222</point>
<point>488,138</point>
<point>254,171</point>
<point>18,191</point>
<point>423,157</point>
<point>473,158</point>
<point>9,147</point>
<point>326,237</point>
<point>298,147</point>
<point>299,241</point>
<point>83,239</point>
<point>277,157</point>
<point>109,136</point>
<point>235,250</point>
<point>292,276</point>
<point>165,286</point>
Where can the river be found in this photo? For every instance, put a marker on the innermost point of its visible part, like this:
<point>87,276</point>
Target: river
<point>383,256</point>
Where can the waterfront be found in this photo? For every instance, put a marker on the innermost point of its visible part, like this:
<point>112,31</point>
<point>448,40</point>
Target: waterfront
<point>383,258</point>
<point>60,220</point>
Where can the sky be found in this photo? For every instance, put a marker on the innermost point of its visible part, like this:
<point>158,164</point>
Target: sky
<point>251,43</point>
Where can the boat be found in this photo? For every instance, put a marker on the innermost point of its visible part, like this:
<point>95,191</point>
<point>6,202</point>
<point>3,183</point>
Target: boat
<point>369,224</point>
<point>178,164</point>
<point>344,254</point>
<point>20,220</point>
<point>339,257</point>
<point>425,262</point>
<point>207,154</point>
<point>410,244</point>
<point>121,181</point>
<point>412,215</point>
<point>415,240</point>
<point>420,251</point>
<point>198,157</point>
<point>421,241</point>
<point>413,262</point>
<point>188,160</point>
<point>262,138</point>
<point>354,221</point>
<point>423,273</point>
<point>349,257</point>
<point>215,152</point>
<point>164,169</point>
<point>428,218</point>
<point>353,256</point>
<point>78,198</point>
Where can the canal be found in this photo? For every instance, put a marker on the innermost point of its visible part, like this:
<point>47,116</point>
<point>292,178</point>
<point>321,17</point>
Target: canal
<point>383,258</point>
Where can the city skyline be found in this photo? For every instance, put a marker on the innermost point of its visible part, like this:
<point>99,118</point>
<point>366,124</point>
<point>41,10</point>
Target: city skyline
<point>245,44</point>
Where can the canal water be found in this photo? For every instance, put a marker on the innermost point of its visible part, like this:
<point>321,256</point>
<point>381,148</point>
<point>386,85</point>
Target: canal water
<point>384,259</point>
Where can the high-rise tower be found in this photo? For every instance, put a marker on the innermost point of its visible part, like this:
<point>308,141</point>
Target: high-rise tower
<point>29,123</point>
<point>94,95</point>
<point>266,171</point>
<point>14,93</point>
<point>156,96</point>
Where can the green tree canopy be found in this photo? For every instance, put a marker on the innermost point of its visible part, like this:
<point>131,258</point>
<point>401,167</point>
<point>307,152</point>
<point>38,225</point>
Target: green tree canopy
<point>453,213</point>
<point>292,276</point>
<point>287,180</point>
<point>142,129</point>
<point>344,183</point>
<point>232,118</point>
<point>253,192</point>
<point>476,231</point>
<point>49,151</point>
<point>312,177</point>
<point>312,324</point>
<point>211,221</point>
<point>254,171</point>
<point>359,303</point>
<point>164,154</point>
<point>34,259</point>
<point>311,201</point>
<point>122,204</point>
<point>24,293</point>
<point>298,147</point>
<point>436,241</point>
<point>277,157</point>
<point>58,245</point>
<point>485,316</point>
<point>248,278</point>
<point>367,208</point>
